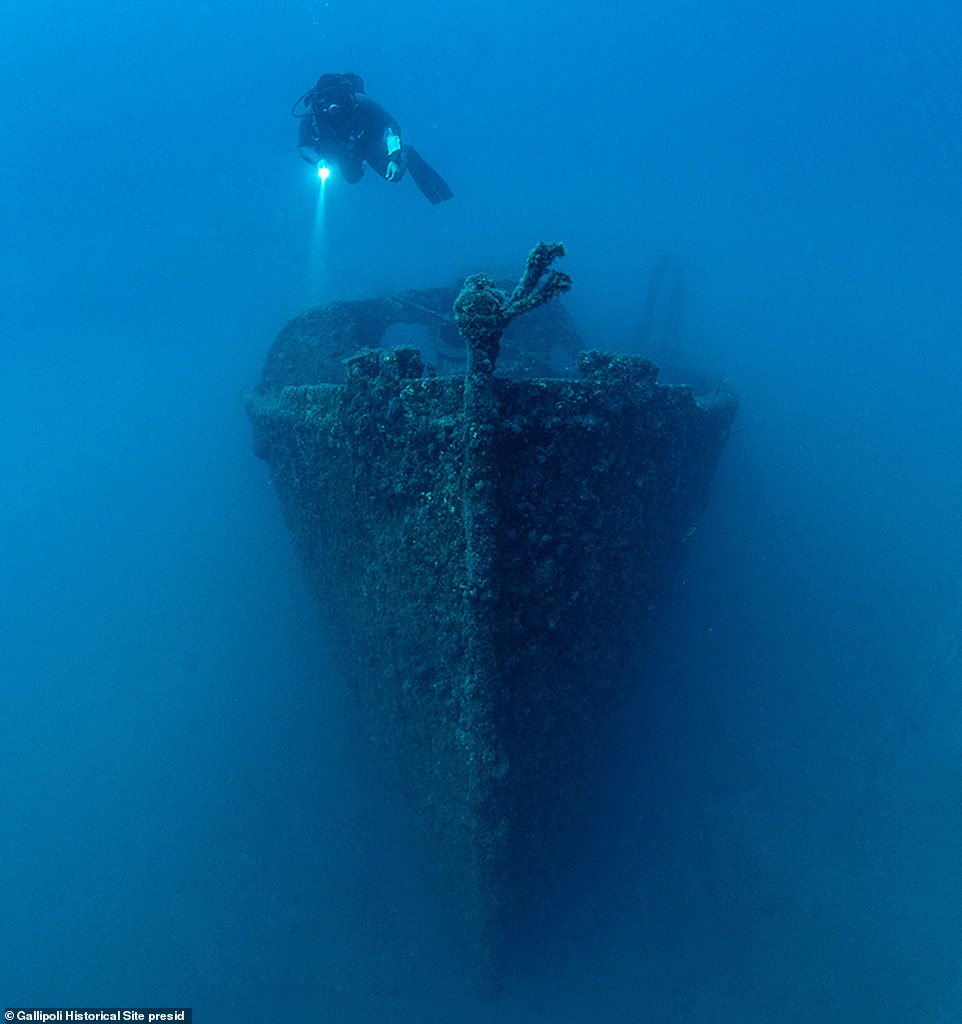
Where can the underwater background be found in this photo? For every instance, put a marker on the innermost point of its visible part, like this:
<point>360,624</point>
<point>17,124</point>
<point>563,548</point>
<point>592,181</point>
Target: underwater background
<point>190,817</point>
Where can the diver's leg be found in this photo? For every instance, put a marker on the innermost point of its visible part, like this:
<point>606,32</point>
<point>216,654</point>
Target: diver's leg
<point>351,169</point>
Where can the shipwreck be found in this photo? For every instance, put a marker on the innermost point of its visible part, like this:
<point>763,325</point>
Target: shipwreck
<point>490,537</point>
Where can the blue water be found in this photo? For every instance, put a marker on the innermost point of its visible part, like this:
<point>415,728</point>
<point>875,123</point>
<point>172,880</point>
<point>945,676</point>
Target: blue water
<point>188,813</point>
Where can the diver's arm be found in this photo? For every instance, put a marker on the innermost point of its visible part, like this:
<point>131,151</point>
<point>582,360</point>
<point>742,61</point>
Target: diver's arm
<point>395,154</point>
<point>386,149</point>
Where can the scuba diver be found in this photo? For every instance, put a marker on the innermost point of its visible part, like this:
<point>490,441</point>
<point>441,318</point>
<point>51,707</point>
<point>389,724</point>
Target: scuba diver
<point>342,126</point>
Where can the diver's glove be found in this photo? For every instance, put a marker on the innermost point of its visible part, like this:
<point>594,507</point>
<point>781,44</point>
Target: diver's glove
<point>393,170</point>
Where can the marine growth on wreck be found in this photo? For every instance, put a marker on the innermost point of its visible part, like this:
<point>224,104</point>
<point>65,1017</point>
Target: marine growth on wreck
<point>490,537</point>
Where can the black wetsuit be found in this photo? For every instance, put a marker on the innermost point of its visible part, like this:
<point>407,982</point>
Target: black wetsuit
<point>350,138</point>
<point>343,127</point>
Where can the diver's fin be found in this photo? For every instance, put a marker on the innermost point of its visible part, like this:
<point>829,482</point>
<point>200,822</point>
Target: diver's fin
<point>433,187</point>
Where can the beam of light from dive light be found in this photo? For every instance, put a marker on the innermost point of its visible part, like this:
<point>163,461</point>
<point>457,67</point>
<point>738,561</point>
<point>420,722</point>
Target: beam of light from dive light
<point>318,247</point>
